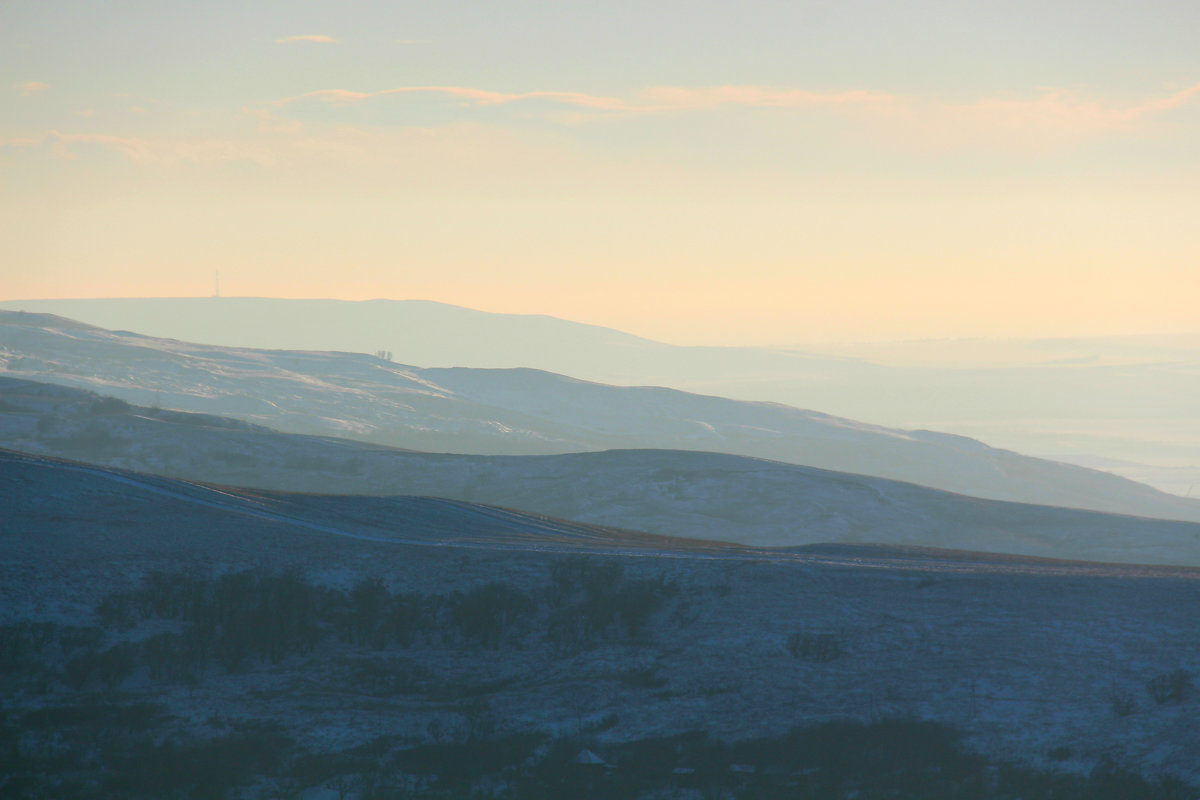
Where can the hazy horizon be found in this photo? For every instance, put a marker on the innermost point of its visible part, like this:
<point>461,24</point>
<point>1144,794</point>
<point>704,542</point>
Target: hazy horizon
<point>880,349</point>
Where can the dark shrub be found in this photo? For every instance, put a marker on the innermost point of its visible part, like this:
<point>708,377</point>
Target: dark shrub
<point>1170,687</point>
<point>818,648</point>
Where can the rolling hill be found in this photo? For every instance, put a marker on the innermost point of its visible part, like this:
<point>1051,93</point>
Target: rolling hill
<point>686,494</point>
<point>1122,404</point>
<point>523,411</point>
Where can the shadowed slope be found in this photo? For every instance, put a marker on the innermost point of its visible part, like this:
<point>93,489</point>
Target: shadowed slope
<point>679,493</point>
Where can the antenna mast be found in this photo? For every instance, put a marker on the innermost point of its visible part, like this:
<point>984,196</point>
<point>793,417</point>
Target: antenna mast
<point>217,285</point>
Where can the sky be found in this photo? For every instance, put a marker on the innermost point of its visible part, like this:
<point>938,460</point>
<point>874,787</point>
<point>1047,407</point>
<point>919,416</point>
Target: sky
<point>695,172</point>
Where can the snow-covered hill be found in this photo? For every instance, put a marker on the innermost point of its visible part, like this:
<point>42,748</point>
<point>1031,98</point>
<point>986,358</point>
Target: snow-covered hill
<point>522,411</point>
<point>679,493</point>
<point>1122,404</point>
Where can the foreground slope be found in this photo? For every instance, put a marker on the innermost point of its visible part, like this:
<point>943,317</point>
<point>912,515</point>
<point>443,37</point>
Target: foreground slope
<point>116,588</point>
<point>525,411</point>
<point>678,493</point>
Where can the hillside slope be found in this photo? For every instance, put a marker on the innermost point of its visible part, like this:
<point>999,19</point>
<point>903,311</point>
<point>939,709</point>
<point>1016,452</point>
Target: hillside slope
<point>1122,404</point>
<point>679,493</point>
<point>524,411</point>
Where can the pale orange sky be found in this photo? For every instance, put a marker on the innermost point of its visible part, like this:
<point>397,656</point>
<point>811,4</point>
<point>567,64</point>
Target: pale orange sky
<point>866,178</point>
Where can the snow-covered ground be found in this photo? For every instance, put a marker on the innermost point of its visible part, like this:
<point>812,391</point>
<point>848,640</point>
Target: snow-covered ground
<point>1027,657</point>
<point>523,411</point>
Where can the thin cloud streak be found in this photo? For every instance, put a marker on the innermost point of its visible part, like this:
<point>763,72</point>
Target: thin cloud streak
<point>1176,100</point>
<point>481,97</point>
<point>674,98</point>
<point>1049,119</point>
<point>312,37</point>
<point>147,151</point>
<point>654,100</point>
<point>59,145</point>
<point>886,120</point>
<point>286,144</point>
<point>30,88</point>
<point>1054,113</point>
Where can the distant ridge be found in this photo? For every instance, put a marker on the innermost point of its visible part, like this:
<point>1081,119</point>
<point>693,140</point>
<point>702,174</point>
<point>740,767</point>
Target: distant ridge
<point>414,330</point>
<point>680,493</point>
<point>1124,404</point>
<point>525,412</point>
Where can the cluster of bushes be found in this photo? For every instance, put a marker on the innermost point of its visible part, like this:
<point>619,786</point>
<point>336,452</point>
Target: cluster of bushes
<point>818,648</point>
<point>93,440</point>
<point>85,435</point>
<point>593,600</point>
<point>229,619</point>
<point>242,617</point>
<point>36,657</point>
<point>1170,687</point>
<point>1167,688</point>
<point>237,619</point>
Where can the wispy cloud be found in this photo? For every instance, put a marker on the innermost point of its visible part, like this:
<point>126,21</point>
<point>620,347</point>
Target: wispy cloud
<point>1172,101</point>
<point>411,41</point>
<point>292,147</point>
<point>311,37</point>
<point>1050,111</point>
<point>155,151</point>
<point>1048,116</point>
<point>1052,116</point>
<point>1049,103</point>
<point>1049,119</point>
<point>674,98</point>
<point>30,88</point>
<point>60,145</point>
<point>659,99</point>
<point>470,96</point>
